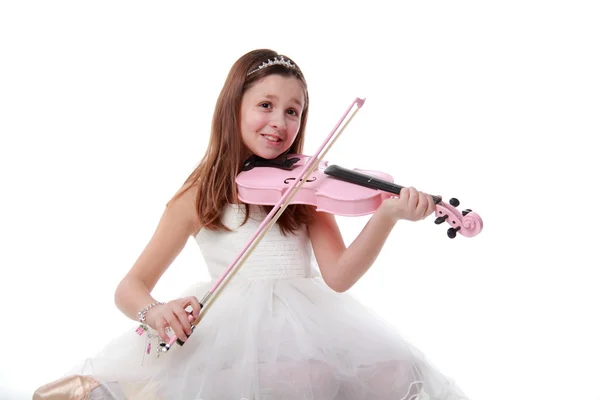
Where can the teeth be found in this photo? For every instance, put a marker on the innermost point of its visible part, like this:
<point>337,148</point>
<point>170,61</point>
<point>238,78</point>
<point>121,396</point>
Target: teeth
<point>272,138</point>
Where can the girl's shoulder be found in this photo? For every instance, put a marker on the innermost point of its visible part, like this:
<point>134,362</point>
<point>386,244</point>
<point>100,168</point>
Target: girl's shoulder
<point>184,204</point>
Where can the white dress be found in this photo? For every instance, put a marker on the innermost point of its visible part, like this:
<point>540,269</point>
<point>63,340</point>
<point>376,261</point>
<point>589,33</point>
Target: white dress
<point>277,331</point>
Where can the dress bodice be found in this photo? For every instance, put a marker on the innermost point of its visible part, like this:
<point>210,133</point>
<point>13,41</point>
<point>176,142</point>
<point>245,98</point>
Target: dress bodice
<point>275,257</point>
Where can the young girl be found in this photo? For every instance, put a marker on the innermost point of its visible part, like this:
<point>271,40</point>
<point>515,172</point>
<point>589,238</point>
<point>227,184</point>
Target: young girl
<point>282,328</point>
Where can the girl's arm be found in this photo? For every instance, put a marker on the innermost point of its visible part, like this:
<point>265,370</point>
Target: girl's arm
<point>342,267</point>
<point>177,224</point>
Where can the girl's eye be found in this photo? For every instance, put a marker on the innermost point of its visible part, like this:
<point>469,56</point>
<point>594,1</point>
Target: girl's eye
<point>265,105</point>
<point>291,111</point>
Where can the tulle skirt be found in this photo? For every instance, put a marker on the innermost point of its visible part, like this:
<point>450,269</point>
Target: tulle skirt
<point>273,339</point>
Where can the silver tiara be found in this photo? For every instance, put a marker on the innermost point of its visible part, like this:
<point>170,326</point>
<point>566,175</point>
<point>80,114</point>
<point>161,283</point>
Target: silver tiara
<point>276,61</point>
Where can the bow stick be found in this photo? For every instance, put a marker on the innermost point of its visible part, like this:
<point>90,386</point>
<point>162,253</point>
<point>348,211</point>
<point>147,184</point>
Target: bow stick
<point>278,209</point>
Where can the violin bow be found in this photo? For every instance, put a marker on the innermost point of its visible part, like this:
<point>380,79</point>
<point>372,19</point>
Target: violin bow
<point>211,296</point>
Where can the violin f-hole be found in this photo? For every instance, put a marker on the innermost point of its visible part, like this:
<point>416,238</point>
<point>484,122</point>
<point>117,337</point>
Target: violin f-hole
<point>287,180</point>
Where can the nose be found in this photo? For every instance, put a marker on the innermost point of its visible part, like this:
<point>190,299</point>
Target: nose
<point>278,121</point>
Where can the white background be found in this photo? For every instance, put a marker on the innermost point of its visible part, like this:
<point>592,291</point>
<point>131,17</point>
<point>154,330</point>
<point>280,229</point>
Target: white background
<point>105,108</point>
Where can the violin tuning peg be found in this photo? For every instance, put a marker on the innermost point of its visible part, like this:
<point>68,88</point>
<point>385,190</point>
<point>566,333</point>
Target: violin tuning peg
<point>454,202</point>
<point>452,232</point>
<point>465,212</point>
<point>440,220</point>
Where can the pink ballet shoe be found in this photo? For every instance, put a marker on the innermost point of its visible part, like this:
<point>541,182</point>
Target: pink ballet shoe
<point>72,387</point>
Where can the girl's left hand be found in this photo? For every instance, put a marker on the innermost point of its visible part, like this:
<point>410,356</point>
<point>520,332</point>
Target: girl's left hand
<point>410,205</point>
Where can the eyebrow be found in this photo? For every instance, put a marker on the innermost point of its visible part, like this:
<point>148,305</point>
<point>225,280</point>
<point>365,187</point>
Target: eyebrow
<point>272,96</point>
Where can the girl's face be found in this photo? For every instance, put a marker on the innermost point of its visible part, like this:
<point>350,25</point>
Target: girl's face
<point>271,114</point>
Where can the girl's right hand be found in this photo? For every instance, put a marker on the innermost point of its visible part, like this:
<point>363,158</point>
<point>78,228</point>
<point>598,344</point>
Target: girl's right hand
<point>174,315</point>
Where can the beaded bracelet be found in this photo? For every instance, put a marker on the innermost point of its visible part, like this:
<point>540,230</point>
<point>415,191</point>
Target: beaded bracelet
<point>143,328</point>
<point>142,313</point>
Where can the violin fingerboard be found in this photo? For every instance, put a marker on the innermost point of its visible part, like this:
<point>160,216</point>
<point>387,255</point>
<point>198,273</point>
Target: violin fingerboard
<point>366,180</point>
<point>362,179</point>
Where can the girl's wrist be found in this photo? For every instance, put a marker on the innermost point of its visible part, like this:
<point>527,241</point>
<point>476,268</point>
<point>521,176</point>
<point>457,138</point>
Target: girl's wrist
<point>387,210</point>
<point>144,311</point>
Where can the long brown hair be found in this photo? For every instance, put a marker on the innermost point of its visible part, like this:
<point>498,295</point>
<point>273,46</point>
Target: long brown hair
<point>215,175</point>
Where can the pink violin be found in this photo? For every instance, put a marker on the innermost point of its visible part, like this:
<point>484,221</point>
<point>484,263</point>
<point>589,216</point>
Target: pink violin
<point>337,190</point>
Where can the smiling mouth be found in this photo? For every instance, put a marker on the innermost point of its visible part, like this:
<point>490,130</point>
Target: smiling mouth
<point>272,138</point>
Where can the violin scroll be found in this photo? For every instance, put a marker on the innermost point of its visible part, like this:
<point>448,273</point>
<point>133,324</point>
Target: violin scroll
<point>466,222</point>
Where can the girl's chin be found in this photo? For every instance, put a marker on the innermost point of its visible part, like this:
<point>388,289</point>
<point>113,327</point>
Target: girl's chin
<point>269,150</point>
